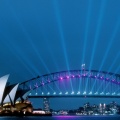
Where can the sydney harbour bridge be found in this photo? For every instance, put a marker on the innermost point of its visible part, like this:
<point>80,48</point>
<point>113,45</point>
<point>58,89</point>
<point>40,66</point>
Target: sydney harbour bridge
<point>73,83</point>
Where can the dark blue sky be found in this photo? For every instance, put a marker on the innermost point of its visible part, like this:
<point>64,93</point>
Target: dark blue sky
<point>44,36</point>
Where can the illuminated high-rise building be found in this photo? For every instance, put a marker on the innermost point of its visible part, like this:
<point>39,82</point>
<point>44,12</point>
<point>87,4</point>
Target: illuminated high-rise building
<point>46,106</point>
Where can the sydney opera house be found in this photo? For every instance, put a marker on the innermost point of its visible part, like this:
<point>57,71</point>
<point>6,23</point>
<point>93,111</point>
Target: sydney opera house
<point>13,99</point>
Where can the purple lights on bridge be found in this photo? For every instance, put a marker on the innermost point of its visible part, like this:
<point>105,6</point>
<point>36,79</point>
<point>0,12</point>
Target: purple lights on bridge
<point>67,77</point>
<point>48,81</point>
<point>61,78</point>
<point>107,78</point>
<point>43,83</point>
<point>78,76</point>
<point>84,75</point>
<point>88,82</point>
<point>73,76</point>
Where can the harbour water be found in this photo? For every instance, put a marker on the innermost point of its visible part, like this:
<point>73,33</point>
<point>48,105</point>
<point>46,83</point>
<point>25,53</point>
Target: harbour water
<point>64,118</point>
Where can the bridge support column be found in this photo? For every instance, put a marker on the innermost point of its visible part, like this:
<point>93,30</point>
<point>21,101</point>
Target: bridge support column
<point>46,104</point>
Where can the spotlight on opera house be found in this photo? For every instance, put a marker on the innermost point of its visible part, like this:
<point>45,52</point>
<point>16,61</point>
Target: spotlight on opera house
<point>13,99</point>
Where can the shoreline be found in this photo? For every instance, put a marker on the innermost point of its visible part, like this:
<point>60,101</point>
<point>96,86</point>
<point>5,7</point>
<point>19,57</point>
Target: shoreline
<point>40,115</point>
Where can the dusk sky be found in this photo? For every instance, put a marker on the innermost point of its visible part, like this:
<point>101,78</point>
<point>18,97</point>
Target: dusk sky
<point>38,37</point>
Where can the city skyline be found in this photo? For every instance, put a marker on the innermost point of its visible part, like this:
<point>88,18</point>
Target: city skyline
<point>74,103</point>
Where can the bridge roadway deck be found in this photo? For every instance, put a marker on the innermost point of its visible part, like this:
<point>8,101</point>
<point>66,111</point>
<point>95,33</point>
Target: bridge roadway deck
<point>75,96</point>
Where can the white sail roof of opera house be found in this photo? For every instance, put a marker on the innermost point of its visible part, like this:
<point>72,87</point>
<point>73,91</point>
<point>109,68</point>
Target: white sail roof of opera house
<point>3,81</point>
<point>9,93</point>
<point>11,96</point>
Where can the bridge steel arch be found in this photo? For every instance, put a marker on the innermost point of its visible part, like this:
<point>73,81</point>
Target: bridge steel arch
<point>77,83</point>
